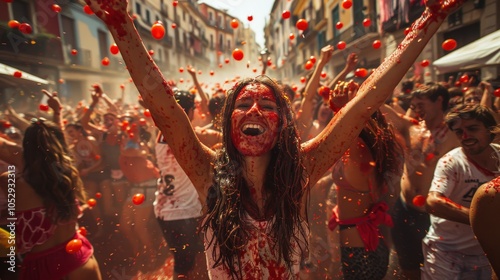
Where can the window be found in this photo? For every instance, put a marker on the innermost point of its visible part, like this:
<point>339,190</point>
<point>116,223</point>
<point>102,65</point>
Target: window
<point>210,16</point>
<point>455,19</point>
<point>211,41</point>
<point>321,41</point>
<point>464,35</point>
<point>69,36</point>
<point>21,11</point>
<point>167,57</point>
<point>138,9</point>
<point>335,19</point>
<point>68,26</point>
<point>103,43</point>
<point>228,44</point>
<point>359,16</point>
<point>163,8</point>
<point>148,17</point>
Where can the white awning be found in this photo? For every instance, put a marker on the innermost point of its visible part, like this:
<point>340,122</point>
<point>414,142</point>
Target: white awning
<point>7,76</point>
<point>482,52</point>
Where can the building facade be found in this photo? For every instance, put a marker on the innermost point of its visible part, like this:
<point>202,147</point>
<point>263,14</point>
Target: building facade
<point>329,22</point>
<point>68,47</point>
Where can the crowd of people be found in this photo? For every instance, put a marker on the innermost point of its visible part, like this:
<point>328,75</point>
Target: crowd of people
<point>384,178</point>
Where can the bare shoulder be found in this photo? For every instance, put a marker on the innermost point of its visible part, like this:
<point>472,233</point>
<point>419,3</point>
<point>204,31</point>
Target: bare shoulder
<point>26,196</point>
<point>208,136</point>
<point>204,130</point>
<point>489,193</point>
<point>486,200</point>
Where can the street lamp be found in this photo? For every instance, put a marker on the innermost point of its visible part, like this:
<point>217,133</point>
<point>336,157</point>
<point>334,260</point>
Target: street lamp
<point>264,56</point>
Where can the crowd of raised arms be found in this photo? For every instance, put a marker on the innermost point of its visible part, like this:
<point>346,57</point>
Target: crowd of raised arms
<point>385,177</point>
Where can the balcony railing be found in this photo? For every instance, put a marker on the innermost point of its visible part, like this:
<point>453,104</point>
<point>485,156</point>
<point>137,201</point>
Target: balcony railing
<point>83,58</point>
<point>308,35</point>
<point>168,41</point>
<point>38,44</point>
<point>320,15</point>
<point>115,64</point>
<point>353,33</point>
<point>393,24</point>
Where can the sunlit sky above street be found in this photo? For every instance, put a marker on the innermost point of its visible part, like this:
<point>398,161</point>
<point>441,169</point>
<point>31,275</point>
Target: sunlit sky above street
<point>241,9</point>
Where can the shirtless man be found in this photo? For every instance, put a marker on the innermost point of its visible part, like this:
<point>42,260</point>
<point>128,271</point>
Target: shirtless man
<point>426,139</point>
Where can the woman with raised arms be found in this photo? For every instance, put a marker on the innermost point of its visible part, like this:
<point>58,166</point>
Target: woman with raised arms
<point>256,186</point>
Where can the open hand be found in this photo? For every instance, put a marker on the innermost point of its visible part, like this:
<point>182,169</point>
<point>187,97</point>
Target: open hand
<point>326,54</point>
<point>342,93</point>
<point>352,62</point>
<point>191,71</point>
<point>53,101</point>
<point>96,93</point>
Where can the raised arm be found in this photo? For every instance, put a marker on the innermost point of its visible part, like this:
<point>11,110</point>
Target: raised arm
<point>399,121</point>
<point>111,105</point>
<point>487,89</point>
<point>169,117</point>
<point>304,120</point>
<point>85,121</point>
<point>352,61</point>
<point>11,153</point>
<point>16,119</point>
<point>331,143</point>
<point>55,104</point>
<point>203,95</point>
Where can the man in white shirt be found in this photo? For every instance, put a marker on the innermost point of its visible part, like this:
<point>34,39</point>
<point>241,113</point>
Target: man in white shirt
<point>450,248</point>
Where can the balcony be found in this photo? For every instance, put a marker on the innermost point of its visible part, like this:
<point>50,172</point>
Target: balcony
<point>307,36</point>
<point>205,41</point>
<point>179,47</point>
<point>353,33</point>
<point>115,64</point>
<point>41,45</point>
<point>320,19</point>
<point>393,23</point>
<point>164,10</point>
<point>84,57</point>
<point>168,41</point>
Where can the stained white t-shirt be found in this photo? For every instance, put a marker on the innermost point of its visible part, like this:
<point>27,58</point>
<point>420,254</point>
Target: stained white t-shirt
<point>176,196</point>
<point>258,259</point>
<point>457,178</point>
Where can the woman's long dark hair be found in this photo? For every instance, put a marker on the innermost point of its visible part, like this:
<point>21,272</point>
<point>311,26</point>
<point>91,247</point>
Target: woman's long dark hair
<point>49,170</point>
<point>385,150</point>
<point>228,199</point>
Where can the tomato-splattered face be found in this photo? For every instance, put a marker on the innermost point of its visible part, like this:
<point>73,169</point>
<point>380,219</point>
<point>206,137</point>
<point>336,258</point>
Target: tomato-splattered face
<point>426,109</point>
<point>255,120</point>
<point>474,137</point>
<point>110,120</point>
<point>73,133</point>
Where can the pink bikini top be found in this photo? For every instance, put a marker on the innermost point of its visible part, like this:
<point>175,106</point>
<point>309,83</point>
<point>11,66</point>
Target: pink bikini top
<point>339,180</point>
<point>366,225</point>
<point>34,227</point>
